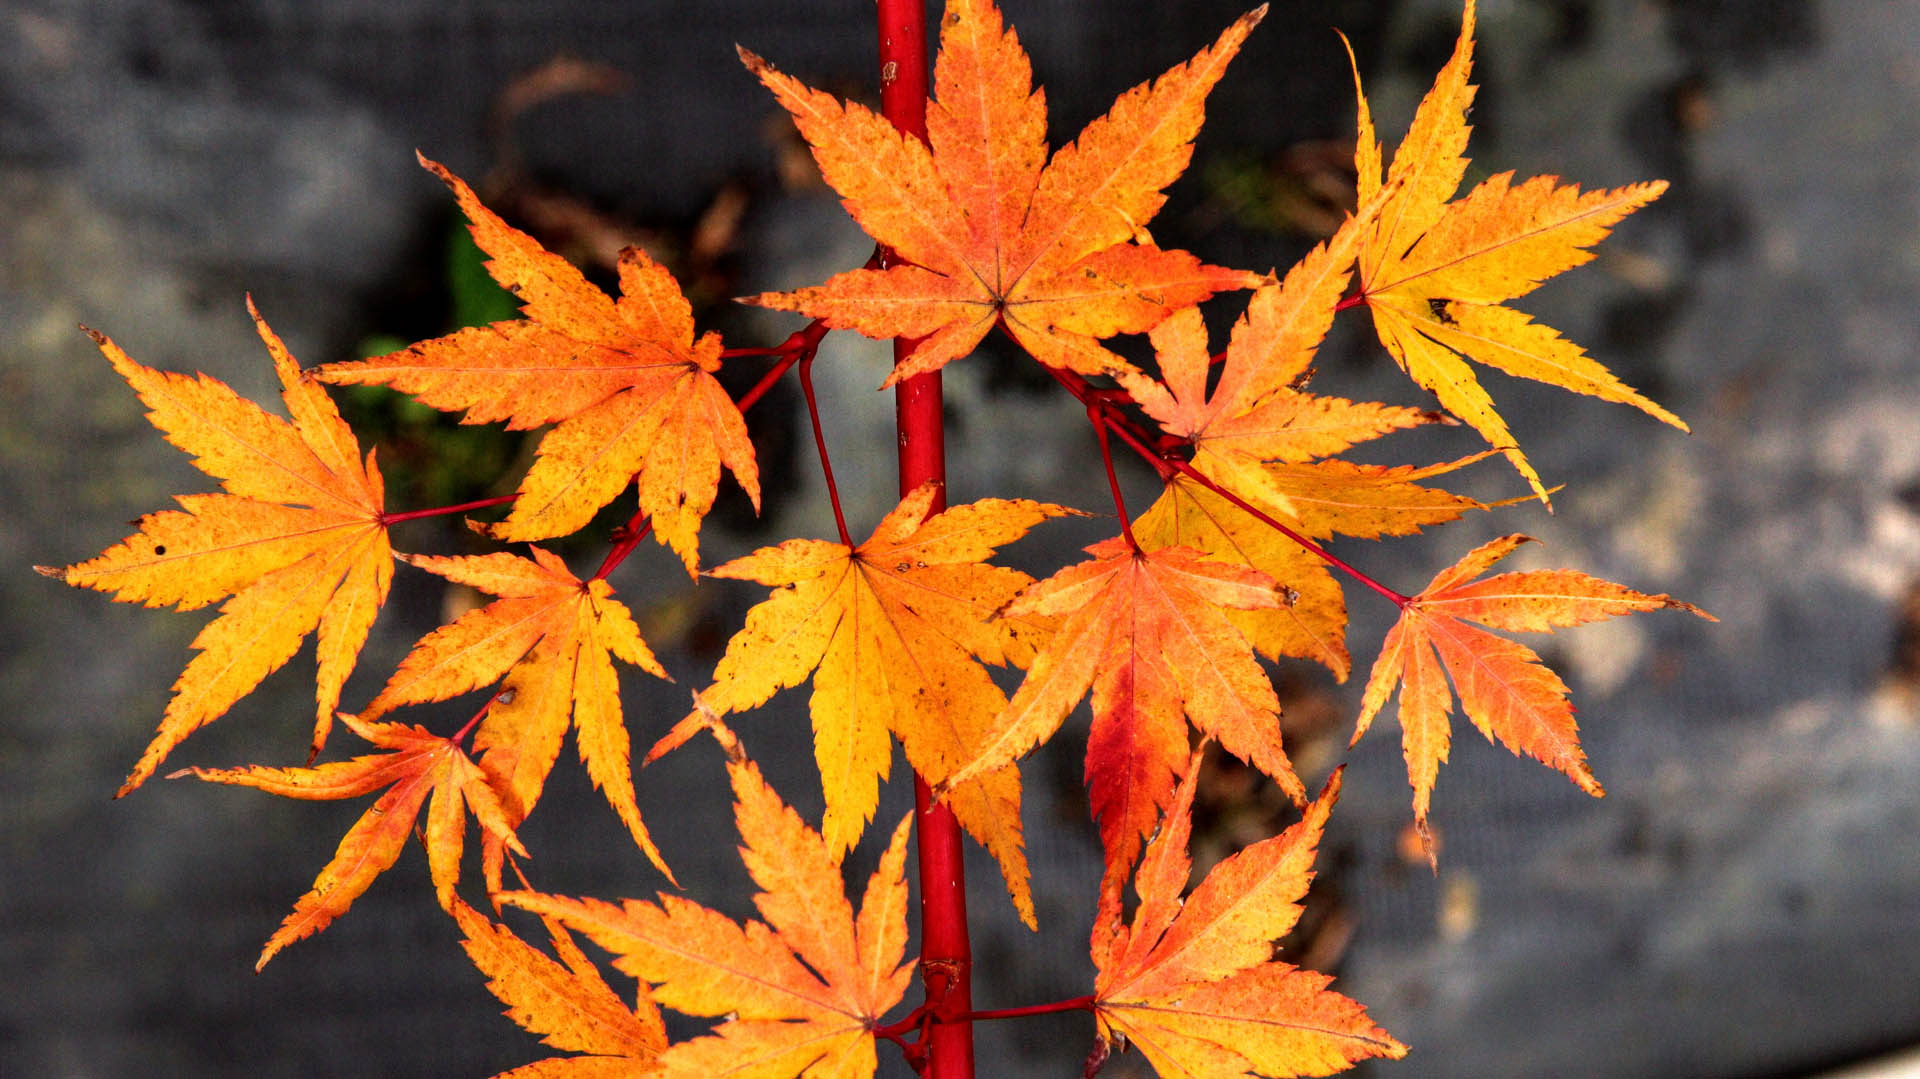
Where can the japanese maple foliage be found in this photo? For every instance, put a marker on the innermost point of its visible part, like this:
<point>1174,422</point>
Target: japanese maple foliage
<point>1164,627</point>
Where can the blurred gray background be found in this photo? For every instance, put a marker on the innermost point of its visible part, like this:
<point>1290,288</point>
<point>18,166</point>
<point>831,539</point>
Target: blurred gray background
<point>1743,903</point>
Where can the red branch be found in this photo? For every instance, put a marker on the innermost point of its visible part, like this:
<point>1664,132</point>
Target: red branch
<point>946,957</point>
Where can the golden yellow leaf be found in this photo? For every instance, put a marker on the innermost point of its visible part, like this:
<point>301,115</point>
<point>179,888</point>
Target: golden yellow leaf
<point>1435,273</point>
<point>893,633</point>
<point>298,542</point>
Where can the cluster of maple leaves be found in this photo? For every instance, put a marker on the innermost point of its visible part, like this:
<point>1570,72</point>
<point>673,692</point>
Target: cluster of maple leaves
<point>1163,625</point>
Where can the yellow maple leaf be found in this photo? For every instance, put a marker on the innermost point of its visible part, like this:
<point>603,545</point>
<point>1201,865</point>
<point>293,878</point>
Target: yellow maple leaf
<point>801,991</point>
<point>419,764</point>
<point>893,633</point>
<point>1193,983</point>
<point>632,391</point>
<point>297,543</point>
<point>1257,412</point>
<point>552,636</point>
<point>1435,274</point>
<point>992,232</point>
<point>1310,619</point>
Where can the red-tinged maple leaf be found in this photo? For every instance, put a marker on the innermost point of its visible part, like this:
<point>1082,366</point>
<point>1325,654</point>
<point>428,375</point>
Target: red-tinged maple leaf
<point>991,232</point>
<point>1436,273</point>
<point>1147,632</point>
<point>1193,983</point>
<point>298,542</point>
<point>893,633</point>
<point>802,991</point>
<point>552,637</point>
<point>566,1002</point>
<point>418,764</point>
<point>632,391</point>
<point>1503,686</point>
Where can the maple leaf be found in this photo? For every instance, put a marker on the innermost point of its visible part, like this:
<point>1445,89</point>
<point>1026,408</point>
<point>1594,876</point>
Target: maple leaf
<point>801,991</point>
<point>297,542</point>
<point>419,764</point>
<point>1319,499</point>
<point>633,393</point>
<point>893,632</point>
<point>1503,686</point>
<point>991,231</point>
<point>1194,983</point>
<point>566,1002</point>
<point>1435,274</point>
<point>1257,413</point>
<point>552,636</point>
<point>1147,633</point>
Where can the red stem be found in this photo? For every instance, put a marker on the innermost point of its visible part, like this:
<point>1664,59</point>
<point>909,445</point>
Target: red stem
<point>461,734</point>
<point>820,444</point>
<point>795,349</point>
<point>946,956</point>
<point>917,1019</point>
<point>1076,1004</point>
<point>1096,412</point>
<point>625,539</point>
<point>1312,548</point>
<point>441,511</point>
<point>801,345</point>
<point>1100,410</point>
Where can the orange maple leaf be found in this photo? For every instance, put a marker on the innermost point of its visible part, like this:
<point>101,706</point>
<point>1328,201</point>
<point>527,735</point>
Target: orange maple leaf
<point>552,636</point>
<point>297,543</point>
<point>1504,687</point>
<point>1435,273</point>
<point>801,991</point>
<point>567,1002</point>
<point>633,393</point>
<point>1147,632</point>
<point>993,233</point>
<point>419,764</point>
<point>1194,983</point>
<point>893,633</point>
